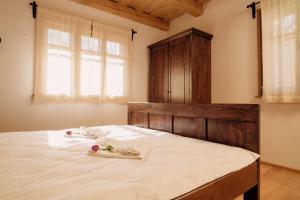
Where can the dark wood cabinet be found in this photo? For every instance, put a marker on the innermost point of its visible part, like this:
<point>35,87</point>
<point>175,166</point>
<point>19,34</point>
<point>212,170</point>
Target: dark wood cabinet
<point>180,68</point>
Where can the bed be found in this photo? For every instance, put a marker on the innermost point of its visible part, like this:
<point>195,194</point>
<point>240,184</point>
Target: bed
<point>231,124</point>
<point>47,165</point>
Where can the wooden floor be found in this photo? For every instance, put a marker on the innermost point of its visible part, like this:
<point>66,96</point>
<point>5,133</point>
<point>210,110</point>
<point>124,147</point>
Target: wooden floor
<point>278,184</point>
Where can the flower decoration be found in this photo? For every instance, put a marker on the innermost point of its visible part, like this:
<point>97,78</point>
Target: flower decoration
<point>95,148</point>
<point>109,148</point>
<point>69,132</point>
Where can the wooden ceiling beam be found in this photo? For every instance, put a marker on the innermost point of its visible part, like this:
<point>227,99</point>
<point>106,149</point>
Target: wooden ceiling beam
<point>193,7</point>
<point>114,7</point>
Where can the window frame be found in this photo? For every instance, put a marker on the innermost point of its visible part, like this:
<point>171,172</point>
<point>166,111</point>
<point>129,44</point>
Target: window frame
<point>40,94</point>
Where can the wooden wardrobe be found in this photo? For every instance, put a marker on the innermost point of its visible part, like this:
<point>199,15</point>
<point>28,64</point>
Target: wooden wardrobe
<point>180,68</point>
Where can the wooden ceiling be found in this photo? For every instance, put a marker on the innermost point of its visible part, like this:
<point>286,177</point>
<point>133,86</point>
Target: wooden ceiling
<point>155,13</point>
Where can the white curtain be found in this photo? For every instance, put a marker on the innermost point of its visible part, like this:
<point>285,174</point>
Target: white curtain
<point>80,59</point>
<point>281,50</point>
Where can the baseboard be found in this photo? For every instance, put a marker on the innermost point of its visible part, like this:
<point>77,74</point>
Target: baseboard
<point>280,166</point>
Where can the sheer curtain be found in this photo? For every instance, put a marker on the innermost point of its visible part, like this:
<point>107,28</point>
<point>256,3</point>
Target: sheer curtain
<point>80,59</point>
<point>281,50</point>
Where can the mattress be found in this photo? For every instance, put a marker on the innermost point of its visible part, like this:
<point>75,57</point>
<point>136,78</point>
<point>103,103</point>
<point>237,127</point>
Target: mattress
<point>45,165</point>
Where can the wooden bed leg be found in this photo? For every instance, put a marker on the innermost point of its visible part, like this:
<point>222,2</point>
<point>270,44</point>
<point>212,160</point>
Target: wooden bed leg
<point>252,194</point>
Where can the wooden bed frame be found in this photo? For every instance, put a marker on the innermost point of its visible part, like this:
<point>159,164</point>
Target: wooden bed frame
<point>230,124</point>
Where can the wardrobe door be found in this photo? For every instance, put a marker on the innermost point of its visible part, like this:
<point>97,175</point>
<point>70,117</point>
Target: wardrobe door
<point>159,77</point>
<point>201,73</point>
<point>179,50</point>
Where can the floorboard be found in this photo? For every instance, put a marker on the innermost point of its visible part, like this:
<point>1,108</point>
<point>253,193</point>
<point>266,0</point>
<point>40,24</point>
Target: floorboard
<point>278,184</point>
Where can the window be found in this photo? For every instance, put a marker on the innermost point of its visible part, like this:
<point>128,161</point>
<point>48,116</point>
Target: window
<point>281,51</point>
<point>114,70</point>
<point>78,59</point>
<point>90,67</point>
<point>58,67</point>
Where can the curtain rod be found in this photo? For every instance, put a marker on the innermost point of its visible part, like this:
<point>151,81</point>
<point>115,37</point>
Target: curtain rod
<point>34,13</point>
<point>34,9</point>
<point>253,7</point>
<point>133,32</point>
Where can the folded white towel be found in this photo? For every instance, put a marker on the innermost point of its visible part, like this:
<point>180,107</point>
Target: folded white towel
<point>108,154</point>
<point>124,147</point>
<point>96,132</point>
<point>85,132</point>
<point>74,135</point>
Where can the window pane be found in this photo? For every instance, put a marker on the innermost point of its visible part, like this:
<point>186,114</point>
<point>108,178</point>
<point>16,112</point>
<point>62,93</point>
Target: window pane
<point>90,73</point>
<point>114,77</point>
<point>284,70</point>
<point>89,44</point>
<point>113,48</point>
<point>59,38</point>
<point>58,73</point>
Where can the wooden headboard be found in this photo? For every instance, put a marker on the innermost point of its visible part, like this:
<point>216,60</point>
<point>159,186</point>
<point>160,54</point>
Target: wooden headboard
<point>230,124</point>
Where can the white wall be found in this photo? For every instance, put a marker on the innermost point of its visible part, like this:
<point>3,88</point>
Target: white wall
<point>17,112</point>
<point>234,76</point>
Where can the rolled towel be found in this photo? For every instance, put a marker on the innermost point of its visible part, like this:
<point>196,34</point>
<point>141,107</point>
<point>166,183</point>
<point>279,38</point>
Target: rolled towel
<point>124,148</point>
<point>97,132</point>
<point>93,132</point>
<point>108,154</point>
<point>126,151</point>
<point>74,134</point>
<point>87,132</point>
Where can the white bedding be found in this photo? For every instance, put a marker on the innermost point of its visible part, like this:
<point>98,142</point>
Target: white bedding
<point>45,165</point>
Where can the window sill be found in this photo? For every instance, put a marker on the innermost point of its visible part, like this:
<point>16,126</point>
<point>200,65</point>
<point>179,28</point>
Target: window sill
<point>261,100</point>
<point>80,100</point>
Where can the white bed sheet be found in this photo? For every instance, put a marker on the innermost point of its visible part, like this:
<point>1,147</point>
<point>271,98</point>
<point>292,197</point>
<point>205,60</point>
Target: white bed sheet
<point>45,165</point>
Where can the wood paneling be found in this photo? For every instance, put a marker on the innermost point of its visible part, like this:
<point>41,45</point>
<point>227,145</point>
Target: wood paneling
<point>200,64</point>
<point>192,7</point>
<point>156,13</point>
<point>230,124</point>
<point>232,112</point>
<point>179,63</point>
<point>159,69</point>
<point>190,127</point>
<point>139,119</point>
<point>127,11</point>
<point>160,122</point>
<point>239,134</point>
<point>189,68</point>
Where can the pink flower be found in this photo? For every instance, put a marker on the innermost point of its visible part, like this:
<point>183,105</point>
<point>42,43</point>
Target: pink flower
<point>69,132</point>
<point>95,148</point>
